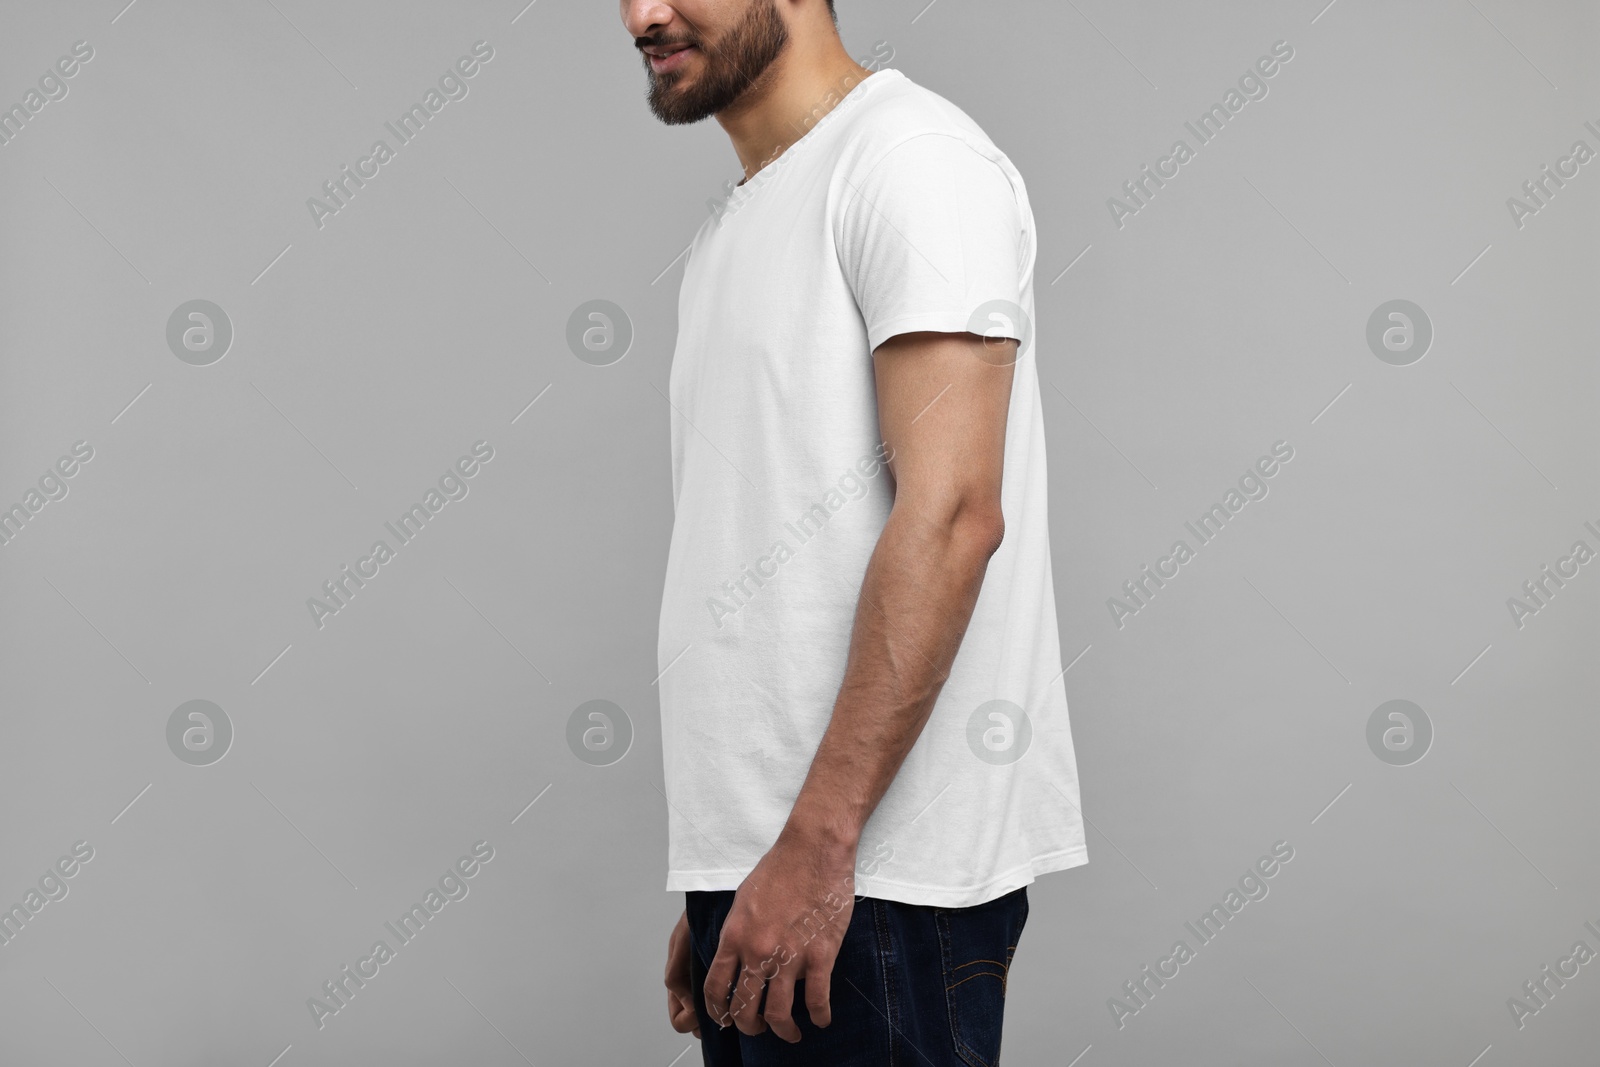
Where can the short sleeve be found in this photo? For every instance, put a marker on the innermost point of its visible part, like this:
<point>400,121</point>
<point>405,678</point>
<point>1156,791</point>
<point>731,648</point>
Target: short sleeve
<point>928,235</point>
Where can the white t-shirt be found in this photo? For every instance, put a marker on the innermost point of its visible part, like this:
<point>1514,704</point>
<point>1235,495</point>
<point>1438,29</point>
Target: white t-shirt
<point>894,213</point>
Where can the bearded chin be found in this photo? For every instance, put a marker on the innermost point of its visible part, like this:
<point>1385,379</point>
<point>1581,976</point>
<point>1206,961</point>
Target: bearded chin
<point>677,107</point>
<point>742,56</point>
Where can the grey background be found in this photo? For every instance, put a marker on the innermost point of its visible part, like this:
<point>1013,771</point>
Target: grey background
<point>368,355</point>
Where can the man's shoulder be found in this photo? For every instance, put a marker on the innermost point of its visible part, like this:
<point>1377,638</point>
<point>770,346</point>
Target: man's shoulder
<point>903,111</point>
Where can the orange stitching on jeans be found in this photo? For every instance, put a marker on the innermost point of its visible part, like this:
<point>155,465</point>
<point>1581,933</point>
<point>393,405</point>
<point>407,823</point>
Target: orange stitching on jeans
<point>980,974</point>
<point>997,963</point>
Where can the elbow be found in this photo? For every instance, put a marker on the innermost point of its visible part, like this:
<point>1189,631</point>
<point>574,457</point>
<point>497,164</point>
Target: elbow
<point>979,527</point>
<point>961,524</point>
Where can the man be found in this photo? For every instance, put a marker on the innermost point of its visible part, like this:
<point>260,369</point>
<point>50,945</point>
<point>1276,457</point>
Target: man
<point>861,687</point>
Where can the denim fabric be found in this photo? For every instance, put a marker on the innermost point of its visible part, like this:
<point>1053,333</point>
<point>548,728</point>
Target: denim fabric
<point>913,985</point>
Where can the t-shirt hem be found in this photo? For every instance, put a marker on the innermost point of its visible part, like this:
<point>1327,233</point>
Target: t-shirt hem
<point>907,892</point>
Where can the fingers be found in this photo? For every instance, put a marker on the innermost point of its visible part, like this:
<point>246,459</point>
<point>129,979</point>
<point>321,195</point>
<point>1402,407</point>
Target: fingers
<point>819,974</point>
<point>778,1014</point>
<point>746,1005</point>
<point>677,975</point>
<point>682,1015</point>
<point>719,982</point>
<point>680,999</point>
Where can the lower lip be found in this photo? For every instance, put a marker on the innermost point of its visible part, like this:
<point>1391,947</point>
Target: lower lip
<point>663,64</point>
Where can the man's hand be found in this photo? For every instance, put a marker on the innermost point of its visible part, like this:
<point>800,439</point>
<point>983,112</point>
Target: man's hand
<point>787,922</point>
<point>680,999</point>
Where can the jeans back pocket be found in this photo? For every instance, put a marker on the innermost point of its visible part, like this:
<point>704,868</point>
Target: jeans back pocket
<point>976,945</point>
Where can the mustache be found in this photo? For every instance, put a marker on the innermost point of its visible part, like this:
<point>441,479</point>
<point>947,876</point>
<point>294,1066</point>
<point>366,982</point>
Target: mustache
<point>642,43</point>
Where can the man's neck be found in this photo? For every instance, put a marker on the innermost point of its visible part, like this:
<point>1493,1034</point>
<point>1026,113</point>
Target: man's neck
<point>788,100</point>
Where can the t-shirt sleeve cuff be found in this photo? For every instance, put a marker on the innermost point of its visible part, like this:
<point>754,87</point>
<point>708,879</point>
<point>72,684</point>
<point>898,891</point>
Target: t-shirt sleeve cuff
<point>933,321</point>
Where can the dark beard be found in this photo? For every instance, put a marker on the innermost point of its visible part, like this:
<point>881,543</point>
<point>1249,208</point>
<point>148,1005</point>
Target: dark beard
<point>736,62</point>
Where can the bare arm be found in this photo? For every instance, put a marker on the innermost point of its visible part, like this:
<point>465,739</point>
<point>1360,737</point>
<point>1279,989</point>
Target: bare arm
<point>942,409</point>
<point>942,402</point>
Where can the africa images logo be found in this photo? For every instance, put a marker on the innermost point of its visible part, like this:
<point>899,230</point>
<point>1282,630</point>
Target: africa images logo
<point>452,886</point>
<point>852,485</point>
<point>1252,887</point>
<point>453,485</point>
<point>1142,589</point>
<point>341,189</point>
<point>1252,86</point>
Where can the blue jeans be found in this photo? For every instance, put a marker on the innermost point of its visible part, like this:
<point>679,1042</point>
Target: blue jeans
<point>913,985</point>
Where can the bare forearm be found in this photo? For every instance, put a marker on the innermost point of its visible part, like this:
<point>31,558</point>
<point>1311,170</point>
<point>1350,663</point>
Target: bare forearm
<point>917,598</point>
